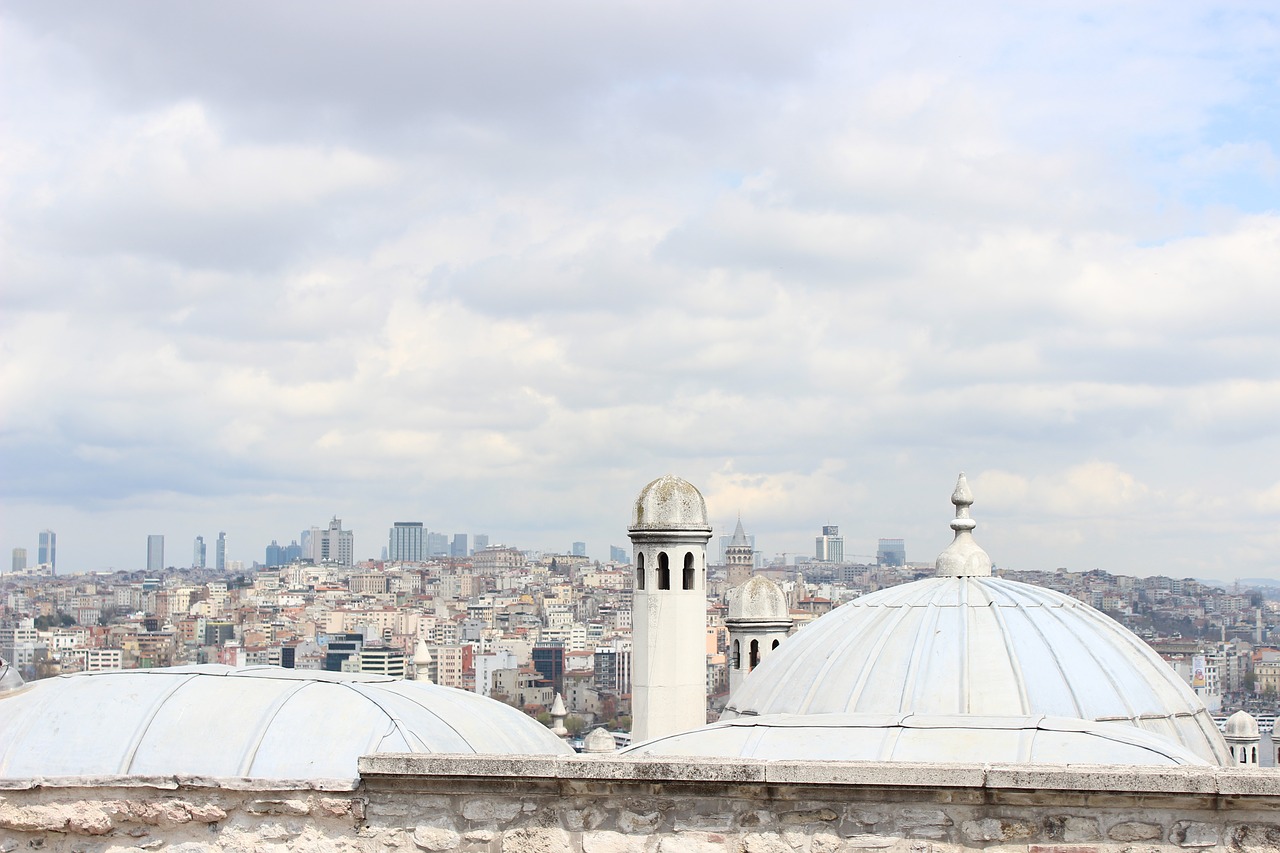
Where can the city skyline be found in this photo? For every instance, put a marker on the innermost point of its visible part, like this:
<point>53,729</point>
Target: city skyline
<point>495,268</point>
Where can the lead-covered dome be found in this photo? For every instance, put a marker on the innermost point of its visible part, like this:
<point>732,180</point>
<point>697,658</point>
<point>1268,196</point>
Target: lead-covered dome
<point>960,739</point>
<point>669,503</point>
<point>1242,726</point>
<point>974,644</point>
<point>256,722</point>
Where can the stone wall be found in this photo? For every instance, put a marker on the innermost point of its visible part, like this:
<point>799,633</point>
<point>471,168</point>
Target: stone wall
<point>478,804</point>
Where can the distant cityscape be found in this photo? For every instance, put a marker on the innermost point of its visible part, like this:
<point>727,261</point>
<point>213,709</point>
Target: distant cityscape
<point>523,625</point>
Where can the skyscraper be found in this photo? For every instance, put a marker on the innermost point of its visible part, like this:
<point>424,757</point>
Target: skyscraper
<point>19,559</point>
<point>459,548</point>
<point>275,554</point>
<point>48,552</point>
<point>830,545</point>
<point>579,549</point>
<point>618,555</point>
<point>155,553</point>
<point>891,552</point>
<point>437,544</point>
<point>407,542</point>
<point>220,553</point>
<point>198,554</point>
<point>333,545</point>
<point>479,542</point>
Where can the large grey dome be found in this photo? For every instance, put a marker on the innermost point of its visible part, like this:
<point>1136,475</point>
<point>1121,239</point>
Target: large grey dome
<point>966,739</point>
<point>977,645</point>
<point>257,722</point>
<point>669,503</point>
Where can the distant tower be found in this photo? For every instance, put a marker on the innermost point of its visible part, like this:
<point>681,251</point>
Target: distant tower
<point>48,551</point>
<point>1243,738</point>
<point>198,554</point>
<point>19,559</point>
<point>829,547</point>
<point>739,557</point>
<point>669,534</point>
<point>758,622</point>
<point>155,552</point>
<point>220,552</point>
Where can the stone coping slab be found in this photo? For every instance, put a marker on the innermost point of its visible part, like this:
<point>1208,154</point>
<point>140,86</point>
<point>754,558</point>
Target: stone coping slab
<point>1126,779</point>
<point>173,783</point>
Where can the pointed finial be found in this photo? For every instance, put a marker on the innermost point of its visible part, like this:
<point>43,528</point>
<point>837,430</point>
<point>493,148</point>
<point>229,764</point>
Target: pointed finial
<point>963,557</point>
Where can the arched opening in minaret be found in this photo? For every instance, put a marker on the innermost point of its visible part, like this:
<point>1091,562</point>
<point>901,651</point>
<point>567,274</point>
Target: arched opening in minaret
<point>688,570</point>
<point>1253,755</point>
<point>664,571</point>
<point>737,654</point>
<point>755,655</point>
<point>775,644</point>
<point>640,570</point>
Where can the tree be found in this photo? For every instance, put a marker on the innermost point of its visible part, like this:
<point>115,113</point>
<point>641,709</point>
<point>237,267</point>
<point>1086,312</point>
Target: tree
<point>575,724</point>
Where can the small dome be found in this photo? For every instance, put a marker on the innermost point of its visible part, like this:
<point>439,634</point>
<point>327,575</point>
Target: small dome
<point>599,741</point>
<point>1242,726</point>
<point>256,722</point>
<point>9,677</point>
<point>669,503</point>
<point>758,598</point>
<point>956,738</point>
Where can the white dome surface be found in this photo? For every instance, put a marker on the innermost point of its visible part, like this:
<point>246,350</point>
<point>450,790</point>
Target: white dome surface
<point>977,645</point>
<point>758,598</point>
<point>669,503</point>
<point>1242,725</point>
<point>959,739</point>
<point>256,722</point>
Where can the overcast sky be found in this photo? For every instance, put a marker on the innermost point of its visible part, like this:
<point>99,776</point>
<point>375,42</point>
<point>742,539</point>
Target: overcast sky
<point>494,266</point>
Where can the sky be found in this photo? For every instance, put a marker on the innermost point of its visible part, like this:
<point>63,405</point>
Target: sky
<point>494,266</point>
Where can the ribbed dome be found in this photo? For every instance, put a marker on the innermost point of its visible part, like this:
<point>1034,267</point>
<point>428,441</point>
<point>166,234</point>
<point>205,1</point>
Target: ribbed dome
<point>1242,726</point>
<point>257,722</point>
<point>977,645</point>
<point>912,737</point>
<point>669,503</point>
<point>758,598</point>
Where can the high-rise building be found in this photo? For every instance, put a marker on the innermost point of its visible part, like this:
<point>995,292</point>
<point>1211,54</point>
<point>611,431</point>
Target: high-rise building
<point>198,554</point>
<point>479,542</point>
<point>407,542</point>
<point>292,552</point>
<point>830,545</point>
<point>579,549</point>
<point>333,545</point>
<point>459,547</point>
<point>155,553</point>
<point>220,552</point>
<point>275,555</point>
<point>48,551</point>
<point>618,555</point>
<point>891,552</point>
<point>19,559</point>
<point>437,545</point>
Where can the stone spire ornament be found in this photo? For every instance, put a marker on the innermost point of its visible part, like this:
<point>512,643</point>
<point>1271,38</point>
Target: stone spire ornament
<point>558,713</point>
<point>963,558</point>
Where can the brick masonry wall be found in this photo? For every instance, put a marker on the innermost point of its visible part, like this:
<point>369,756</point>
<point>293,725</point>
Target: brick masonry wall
<point>498,804</point>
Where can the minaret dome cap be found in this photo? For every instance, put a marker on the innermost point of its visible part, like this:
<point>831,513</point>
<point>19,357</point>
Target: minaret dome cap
<point>669,503</point>
<point>963,557</point>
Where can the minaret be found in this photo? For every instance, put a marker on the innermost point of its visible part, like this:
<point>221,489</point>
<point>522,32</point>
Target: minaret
<point>739,559</point>
<point>1243,738</point>
<point>758,622</point>
<point>558,714</point>
<point>669,533</point>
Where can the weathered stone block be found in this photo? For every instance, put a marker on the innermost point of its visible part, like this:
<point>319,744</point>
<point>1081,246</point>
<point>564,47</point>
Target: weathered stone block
<point>576,820</point>
<point>692,842</point>
<point>633,823</point>
<point>434,838</point>
<point>1254,836</point>
<point>479,836</point>
<point>997,829</point>
<point>490,811</point>
<point>765,842</point>
<point>870,842</point>
<point>1071,828</point>
<point>823,815</point>
<point>824,842</point>
<point>612,842</point>
<point>1135,831</point>
<point>755,818</point>
<point>1190,833</point>
<point>279,807</point>
<point>536,840</point>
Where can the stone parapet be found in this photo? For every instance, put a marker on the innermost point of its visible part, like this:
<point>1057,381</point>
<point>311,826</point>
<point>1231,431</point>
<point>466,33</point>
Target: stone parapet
<point>579,804</point>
